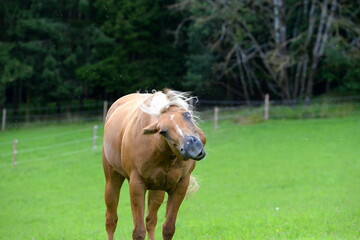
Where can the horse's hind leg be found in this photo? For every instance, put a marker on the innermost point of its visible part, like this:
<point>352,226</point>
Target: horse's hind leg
<point>114,182</point>
<point>155,199</point>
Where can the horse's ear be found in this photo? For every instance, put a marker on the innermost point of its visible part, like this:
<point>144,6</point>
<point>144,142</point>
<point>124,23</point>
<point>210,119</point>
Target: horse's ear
<point>151,129</point>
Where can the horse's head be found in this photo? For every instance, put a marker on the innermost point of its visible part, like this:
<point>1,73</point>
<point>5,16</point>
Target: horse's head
<point>178,128</point>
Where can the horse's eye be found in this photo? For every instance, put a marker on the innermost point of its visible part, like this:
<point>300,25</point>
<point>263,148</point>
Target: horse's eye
<point>187,115</point>
<point>163,132</point>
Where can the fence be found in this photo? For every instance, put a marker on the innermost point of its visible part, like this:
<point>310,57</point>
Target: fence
<point>213,110</point>
<point>256,111</point>
<point>209,111</point>
<point>12,149</point>
<point>53,114</point>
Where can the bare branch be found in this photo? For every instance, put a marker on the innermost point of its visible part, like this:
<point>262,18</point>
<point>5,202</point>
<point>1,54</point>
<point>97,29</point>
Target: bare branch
<point>242,77</point>
<point>178,29</point>
<point>328,23</point>
<point>320,29</point>
<point>311,23</point>
<point>221,37</point>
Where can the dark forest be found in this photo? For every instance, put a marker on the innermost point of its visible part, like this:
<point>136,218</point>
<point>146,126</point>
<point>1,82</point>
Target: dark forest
<point>73,51</point>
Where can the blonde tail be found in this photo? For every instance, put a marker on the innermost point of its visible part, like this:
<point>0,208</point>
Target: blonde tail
<point>193,186</point>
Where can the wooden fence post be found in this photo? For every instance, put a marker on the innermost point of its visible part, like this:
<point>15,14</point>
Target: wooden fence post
<point>14,152</point>
<point>3,124</point>
<point>216,118</point>
<point>266,107</point>
<point>95,138</point>
<point>105,109</point>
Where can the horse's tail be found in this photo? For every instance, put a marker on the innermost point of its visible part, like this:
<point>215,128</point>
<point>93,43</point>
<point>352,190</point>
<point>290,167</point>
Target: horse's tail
<point>193,186</point>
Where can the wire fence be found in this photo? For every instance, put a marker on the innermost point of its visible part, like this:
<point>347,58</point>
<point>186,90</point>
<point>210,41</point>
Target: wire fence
<point>256,111</point>
<point>34,160</point>
<point>53,114</point>
<point>95,111</point>
<point>42,148</point>
<point>37,149</point>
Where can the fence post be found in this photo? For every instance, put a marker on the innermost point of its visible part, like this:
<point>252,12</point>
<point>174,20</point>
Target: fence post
<point>216,117</point>
<point>14,152</point>
<point>105,109</point>
<point>95,138</point>
<point>266,107</point>
<point>3,124</point>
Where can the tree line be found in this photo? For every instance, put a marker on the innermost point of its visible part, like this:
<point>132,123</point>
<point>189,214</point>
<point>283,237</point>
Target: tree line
<point>72,51</point>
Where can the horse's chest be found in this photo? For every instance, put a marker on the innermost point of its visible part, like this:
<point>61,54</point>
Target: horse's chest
<point>161,179</point>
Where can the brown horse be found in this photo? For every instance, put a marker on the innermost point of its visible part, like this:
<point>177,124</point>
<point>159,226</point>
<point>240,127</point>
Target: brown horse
<point>152,141</point>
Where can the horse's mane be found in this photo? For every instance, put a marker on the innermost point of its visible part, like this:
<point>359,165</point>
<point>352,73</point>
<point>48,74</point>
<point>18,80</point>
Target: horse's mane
<point>159,101</point>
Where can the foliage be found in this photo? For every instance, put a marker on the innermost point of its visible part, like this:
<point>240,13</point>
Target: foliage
<point>147,58</point>
<point>341,68</point>
<point>55,52</point>
<point>278,46</point>
<point>66,50</point>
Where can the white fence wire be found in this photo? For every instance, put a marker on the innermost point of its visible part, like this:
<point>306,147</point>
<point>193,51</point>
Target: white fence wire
<point>53,114</point>
<point>8,157</point>
<point>96,111</point>
<point>9,164</point>
<point>209,111</point>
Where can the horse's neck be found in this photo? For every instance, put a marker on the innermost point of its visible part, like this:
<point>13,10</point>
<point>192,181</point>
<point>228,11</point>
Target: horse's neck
<point>161,153</point>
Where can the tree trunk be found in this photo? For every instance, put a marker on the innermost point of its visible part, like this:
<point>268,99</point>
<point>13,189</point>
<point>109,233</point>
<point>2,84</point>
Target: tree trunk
<point>280,42</point>
<point>242,77</point>
<point>321,41</point>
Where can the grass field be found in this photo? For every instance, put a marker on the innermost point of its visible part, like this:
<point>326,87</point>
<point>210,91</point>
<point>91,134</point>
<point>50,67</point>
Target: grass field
<point>283,179</point>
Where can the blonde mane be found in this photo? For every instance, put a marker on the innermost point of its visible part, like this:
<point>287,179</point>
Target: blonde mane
<point>160,101</point>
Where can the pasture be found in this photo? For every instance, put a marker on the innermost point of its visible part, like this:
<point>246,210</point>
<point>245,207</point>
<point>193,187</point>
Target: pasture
<point>283,179</point>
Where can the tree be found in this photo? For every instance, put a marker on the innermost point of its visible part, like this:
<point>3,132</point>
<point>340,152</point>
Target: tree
<point>48,41</point>
<point>12,70</point>
<point>273,45</point>
<point>144,56</point>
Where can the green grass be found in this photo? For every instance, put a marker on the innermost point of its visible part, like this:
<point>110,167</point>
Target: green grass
<point>283,179</point>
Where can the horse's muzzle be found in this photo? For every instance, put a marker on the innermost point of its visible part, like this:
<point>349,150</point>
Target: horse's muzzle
<point>193,148</point>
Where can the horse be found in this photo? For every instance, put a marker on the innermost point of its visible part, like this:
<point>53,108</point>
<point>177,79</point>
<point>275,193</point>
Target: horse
<point>153,141</point>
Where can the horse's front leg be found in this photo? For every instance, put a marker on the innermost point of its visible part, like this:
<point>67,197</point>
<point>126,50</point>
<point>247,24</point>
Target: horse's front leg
<point>173,204</point>
<point>155,199</point>
<point>137,197</point>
